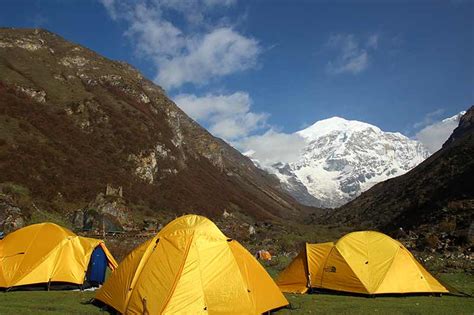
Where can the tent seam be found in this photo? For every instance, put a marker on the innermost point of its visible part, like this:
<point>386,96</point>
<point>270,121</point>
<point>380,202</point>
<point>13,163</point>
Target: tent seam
<point>353,271</point>
<point>29,245</point>
<point>137,273</point>
<point>388,269</point>
<point>178,275</point>
<point>368,259</point>
<point>307,266</point>
<point>240,272</point>
<point>60,245</point>
<point>418,265</point>
<point>58,254</point>
<point>200,275</point>
<point>324,265</point>
<point>43,258</point>
<point>111,260</point>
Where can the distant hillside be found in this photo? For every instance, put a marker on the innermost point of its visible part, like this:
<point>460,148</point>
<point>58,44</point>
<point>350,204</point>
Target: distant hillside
<point>438,191</point>
<point>72,121</point>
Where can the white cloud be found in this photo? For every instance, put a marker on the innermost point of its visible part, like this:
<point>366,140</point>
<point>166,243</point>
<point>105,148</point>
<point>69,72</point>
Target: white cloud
<point>238,126</point>
<point>154,37</point>
<point>435,134</point>
<point>228,116</point>
<point>429,118</point>
<point>194,52</point>
<point>194,10</point>
<point>272,147</point>
<point>110,7</point>
<point>220,52</point>
<point>212,106</point>
<point>352,57</point>
<point>373,41</point>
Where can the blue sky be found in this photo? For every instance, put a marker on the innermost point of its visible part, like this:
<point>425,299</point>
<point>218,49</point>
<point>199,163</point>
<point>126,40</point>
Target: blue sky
<point>247,68</point>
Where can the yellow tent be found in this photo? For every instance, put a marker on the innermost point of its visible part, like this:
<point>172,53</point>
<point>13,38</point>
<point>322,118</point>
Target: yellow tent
<point>364,262</point>
<point>190,267</point>
<point>46,253</point>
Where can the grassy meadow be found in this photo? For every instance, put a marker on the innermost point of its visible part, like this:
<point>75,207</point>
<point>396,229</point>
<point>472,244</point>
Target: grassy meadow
<point>75,302</point>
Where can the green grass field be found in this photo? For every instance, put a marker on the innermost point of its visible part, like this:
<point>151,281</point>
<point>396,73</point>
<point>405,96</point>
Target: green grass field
<point>74,302</point>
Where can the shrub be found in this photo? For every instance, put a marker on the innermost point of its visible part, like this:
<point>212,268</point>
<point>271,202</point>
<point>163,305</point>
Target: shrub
<point>447,226</point>
<point>431,241</point>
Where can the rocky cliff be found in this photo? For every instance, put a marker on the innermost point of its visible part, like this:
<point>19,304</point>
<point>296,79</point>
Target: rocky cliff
<point>72,121</point>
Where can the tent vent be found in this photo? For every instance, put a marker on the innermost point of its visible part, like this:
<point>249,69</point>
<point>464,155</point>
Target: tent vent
<point>229,240</point>
<point>156,243</point>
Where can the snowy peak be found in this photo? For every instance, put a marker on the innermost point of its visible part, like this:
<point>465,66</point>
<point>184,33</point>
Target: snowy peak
<point>334,125</point>
<point>454,118</point>
<point>342,158</point>
<point>436,133</point>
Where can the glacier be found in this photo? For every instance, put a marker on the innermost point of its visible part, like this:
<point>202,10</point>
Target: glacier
<point>343,158</point>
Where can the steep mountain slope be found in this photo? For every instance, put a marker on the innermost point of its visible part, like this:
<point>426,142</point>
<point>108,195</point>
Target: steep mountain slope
<point>440,189</point>
<point>465,127</point>
<point>290,183</point>
<point>434,135</point>
<point>72,122</point>
<point>343,158</point>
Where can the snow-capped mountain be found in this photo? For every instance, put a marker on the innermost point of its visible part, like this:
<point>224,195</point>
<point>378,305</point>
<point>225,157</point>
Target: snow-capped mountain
<point>434,135</point>
<point>456,118</point>
<point>343,158</point>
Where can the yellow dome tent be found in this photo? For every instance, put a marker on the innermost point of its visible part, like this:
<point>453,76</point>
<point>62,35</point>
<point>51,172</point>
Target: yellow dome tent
<point>363,262</point>
<point>191,267</point>
<point>47,253</point>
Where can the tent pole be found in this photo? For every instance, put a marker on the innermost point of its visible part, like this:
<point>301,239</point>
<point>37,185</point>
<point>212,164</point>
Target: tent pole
<point>103,227</point>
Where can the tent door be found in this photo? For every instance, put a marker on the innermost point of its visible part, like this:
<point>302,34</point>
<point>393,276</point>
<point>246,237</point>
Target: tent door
<point>97,267</point>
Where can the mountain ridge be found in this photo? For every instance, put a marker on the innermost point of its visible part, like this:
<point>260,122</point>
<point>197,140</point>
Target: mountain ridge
<point>436,193</point>
<point>75,121</point>
<point>343,158</point>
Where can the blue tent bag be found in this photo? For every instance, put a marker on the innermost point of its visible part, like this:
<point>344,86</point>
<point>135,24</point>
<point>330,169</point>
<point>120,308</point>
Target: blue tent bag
<point>97,266</point>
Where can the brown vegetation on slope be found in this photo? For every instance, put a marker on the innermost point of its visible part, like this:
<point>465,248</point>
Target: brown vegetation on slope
<point>72,122</point>
<point>439,190</point>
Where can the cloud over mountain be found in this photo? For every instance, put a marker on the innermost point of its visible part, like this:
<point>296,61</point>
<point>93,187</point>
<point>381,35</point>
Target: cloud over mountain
<point>195,51</point>
<point>272,147</point>
<point>227,115</point>
<point>435,134</point>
